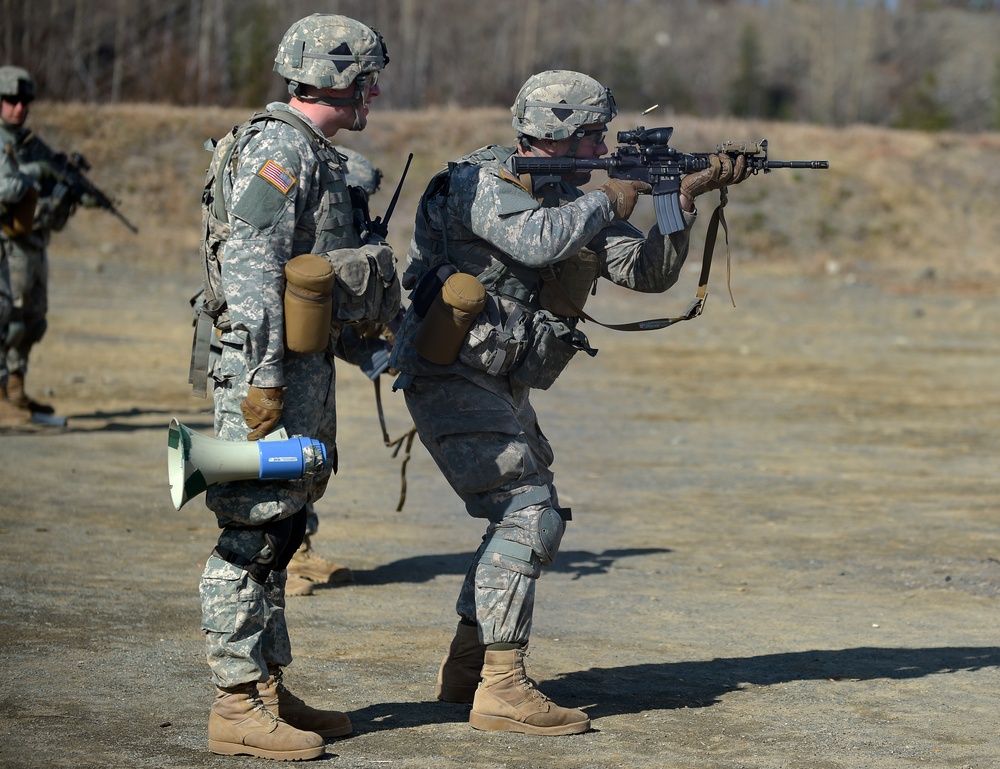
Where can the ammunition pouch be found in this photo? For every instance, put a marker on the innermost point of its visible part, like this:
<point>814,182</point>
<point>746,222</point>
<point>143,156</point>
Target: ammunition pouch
<point>366,285</point>
<point>497,339</point>
<point>577,277</point>
<point>551,346</point>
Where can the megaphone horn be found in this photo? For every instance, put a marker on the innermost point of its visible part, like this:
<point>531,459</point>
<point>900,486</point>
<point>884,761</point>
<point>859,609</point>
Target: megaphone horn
<point>195,461</point>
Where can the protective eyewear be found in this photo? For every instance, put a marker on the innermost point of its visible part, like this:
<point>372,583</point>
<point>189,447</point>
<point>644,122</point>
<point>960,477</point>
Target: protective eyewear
<point>25,100</point>
<point>597,134</point>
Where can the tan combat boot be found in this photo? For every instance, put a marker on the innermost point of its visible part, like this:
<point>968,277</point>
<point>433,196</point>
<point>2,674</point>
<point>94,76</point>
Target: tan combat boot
<point>507,701</point>
<point>306,563</point>
<point>461,670</point>
<point>10,414</point>
<point>289,708</point>
<point>240,725</point>
<point>18,397</point>
<point>297,586</point>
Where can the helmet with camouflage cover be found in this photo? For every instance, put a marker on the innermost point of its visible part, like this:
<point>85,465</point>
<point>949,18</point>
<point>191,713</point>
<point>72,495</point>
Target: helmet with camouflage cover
<point>360,171</point>
<point>328,51</point>
<point>556,103</point>
<point>15,81</point>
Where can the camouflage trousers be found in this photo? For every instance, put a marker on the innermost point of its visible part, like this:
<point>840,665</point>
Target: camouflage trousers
<point>243,621</point>
<point>6,305</point>
<point>29,289</point>
<point>491,451</point>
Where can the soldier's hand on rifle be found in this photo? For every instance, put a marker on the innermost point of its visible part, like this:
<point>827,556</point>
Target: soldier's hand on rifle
<point>723,172</point>
<point>262,409</point>
<point>38,169</point>
<point>623,195</point>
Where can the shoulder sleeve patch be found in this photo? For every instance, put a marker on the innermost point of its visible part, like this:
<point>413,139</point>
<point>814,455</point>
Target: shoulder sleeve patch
<point>278,176</point>
<point>507,176</point>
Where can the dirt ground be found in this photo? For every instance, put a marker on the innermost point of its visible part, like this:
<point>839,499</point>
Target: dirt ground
<point>784,550</point>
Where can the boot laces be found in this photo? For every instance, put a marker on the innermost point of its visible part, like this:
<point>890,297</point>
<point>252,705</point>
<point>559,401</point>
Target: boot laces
<point>527,682</point>
<point>260,707</point>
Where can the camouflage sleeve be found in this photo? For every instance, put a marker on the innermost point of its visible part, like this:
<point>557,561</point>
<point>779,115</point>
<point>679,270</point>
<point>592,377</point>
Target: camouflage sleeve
<point>13,184</point>
<point>276,166</point>
<point>651,264</point>
<point>499,210</point>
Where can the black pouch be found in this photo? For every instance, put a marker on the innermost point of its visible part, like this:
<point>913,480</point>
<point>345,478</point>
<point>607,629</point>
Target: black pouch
<point>429,287</point>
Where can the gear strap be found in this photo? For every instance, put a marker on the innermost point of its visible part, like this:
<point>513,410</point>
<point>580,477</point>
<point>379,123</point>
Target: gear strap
<point>697,304</point>
<point>398,443</point>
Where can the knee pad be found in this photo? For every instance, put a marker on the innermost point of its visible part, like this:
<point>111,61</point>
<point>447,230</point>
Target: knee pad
<point>545,532</point>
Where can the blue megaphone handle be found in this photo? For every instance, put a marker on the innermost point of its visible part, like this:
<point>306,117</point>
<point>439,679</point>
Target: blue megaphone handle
<point>291,459</point>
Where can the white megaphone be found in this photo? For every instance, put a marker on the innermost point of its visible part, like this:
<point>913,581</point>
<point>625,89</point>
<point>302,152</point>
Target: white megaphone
<point>195,462</point>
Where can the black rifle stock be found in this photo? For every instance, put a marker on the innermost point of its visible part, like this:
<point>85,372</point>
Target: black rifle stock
<point>70,171</point>
<point>646,156</point>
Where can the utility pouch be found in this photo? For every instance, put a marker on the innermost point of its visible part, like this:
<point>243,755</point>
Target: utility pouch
<point>496,341</point>
<point>576,276</point>
<point>309,283</point>
<point>447,320</point>
<point>21,215</point>
<point>551,347</point>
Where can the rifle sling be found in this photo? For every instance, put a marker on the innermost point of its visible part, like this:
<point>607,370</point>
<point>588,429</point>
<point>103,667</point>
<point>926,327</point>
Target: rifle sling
<point>697,304</point>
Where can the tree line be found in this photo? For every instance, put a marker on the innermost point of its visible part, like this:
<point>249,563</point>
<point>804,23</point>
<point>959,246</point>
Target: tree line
<point>921,64</point>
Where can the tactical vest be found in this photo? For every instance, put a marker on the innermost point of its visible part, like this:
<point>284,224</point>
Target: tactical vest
<point>331,227</point>
<point>502,277</point>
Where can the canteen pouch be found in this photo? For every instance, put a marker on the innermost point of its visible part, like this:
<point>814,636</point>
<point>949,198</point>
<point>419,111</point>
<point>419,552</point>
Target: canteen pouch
<point>449,317</point>
<point>577,276</point>
<point>20,219</point>
<point>552,345</point>
<point>309,283</point>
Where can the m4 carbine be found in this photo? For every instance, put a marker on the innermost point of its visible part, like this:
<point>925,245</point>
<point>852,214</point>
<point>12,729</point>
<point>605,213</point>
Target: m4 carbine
<point>646,156</point>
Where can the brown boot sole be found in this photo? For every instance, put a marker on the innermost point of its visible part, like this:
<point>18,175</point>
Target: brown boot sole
<point>232,749</point>
<point>500,724</point>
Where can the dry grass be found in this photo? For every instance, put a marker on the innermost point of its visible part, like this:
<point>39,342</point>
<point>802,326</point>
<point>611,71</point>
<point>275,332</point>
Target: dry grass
<point>911,210</point>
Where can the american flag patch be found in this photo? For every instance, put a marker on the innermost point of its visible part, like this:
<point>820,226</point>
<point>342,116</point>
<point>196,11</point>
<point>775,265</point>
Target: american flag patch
<point>278,176</point>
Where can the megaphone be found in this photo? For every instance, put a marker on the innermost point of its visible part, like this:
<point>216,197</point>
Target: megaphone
<point>195,461</point>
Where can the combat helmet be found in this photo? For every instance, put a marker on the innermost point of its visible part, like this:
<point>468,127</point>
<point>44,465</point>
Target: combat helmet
<point>15,81</point>
<point>556,103</point>
<point>328,51</point>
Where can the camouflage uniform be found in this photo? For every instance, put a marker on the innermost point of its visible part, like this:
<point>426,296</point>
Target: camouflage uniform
<point>302,206</point>
<point>474,415</point>
<point>13,186</point>
<point>27,255</point>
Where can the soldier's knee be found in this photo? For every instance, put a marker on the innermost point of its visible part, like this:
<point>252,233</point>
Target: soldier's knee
<point>544,532</point>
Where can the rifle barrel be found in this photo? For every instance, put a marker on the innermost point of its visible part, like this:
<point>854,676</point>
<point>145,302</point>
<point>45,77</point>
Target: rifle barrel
<point>814,164</point>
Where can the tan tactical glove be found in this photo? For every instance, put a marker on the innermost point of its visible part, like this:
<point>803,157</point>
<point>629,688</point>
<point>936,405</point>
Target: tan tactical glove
<point>623,195</point>
<point>722,173</point>
<point>262,410</point>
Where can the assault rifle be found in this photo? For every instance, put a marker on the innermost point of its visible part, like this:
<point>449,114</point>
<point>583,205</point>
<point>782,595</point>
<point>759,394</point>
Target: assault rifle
<point>69,171</point>
<point>646,156</point>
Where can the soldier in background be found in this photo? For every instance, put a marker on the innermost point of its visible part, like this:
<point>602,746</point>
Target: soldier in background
<point>27,251</point>
<point>18,194</point>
